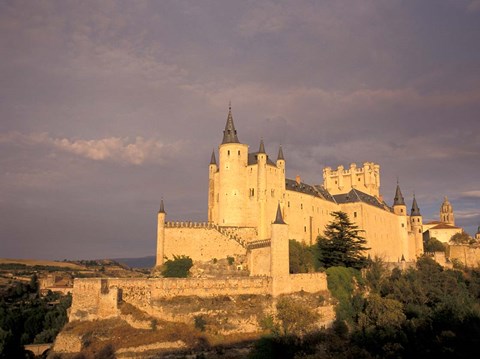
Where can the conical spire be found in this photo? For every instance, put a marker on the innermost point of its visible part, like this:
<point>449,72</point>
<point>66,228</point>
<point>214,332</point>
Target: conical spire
<point>280,154</point>
<point>230,134</point>
<point>262,147</point>
<point>162,207</point>
<point>279,218</point>
<point>213,160</point>
<point>398,200</point>
<point>415,209</point>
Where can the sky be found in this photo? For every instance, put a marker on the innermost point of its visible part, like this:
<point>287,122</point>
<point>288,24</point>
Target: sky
<point>108,106</point>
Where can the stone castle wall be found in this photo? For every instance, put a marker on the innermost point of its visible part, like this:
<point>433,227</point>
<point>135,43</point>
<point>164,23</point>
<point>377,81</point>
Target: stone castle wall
<point>469,255</point>
<point>95,298</point>
<point>201,242</point>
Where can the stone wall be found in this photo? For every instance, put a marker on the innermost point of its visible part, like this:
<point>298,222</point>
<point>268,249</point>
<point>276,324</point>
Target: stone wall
<point>199,243</point>
<point>98,297</point>
<point>469,255</point>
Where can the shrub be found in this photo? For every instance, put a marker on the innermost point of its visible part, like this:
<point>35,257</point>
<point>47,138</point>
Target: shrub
<point>179,267</point>
<point>230,260</point>
<point>199,322</point>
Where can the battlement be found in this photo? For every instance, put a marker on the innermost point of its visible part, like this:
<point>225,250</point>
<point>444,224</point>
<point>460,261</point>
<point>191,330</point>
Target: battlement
<point>341,180</point>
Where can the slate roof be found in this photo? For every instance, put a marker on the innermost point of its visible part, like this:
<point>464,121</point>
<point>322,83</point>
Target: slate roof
<point>358,196</point>
<point>316,191</point>
<point>252,159</point>
<point>230,133</point>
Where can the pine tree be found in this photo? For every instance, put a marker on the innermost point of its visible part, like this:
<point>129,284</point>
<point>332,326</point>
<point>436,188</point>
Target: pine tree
<point>341,244</point>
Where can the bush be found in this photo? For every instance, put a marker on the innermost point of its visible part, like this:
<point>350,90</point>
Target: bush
<point>295,317</point>
<point>230,260</point>
<point>199,322</point>
<point>179,267</point>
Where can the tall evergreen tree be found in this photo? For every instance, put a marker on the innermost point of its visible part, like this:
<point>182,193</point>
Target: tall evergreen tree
<point>341,244</point>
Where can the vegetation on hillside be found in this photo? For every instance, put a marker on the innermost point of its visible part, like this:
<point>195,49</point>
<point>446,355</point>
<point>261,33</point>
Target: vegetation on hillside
<point>27,318</point>
<point>422,312</point>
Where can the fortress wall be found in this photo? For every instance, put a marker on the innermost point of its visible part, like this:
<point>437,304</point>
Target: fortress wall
<point>298,210</point>
<point>173,287</point>
<point>199,243</point>
<point>382,230</point>
<point>469,255</point>
<point>308,282</point>
<point>92,297</point>
<point>259,261</point>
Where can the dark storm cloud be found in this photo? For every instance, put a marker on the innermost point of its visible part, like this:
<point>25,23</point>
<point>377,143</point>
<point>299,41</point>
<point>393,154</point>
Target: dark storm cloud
<point>108,106</point>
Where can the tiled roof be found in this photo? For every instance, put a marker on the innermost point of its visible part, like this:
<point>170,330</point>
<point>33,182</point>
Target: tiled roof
<point>444,226</point>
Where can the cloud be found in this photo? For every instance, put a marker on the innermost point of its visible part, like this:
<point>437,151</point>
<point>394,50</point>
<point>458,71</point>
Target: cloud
<point>114,149</point>
<point>475,194</point>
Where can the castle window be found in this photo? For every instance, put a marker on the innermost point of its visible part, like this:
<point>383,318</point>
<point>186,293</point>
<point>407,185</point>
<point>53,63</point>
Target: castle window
<point>359,180</point>
<point>252,192</point>
<point>419,231</point>
<point>301,205</point>
<point>228,152</point>
<point>401,210</point>
<point>354,214</point>
<point>403,225</point>
<point>239,152</point>
<point>288,204</point>
<point>305,229</point>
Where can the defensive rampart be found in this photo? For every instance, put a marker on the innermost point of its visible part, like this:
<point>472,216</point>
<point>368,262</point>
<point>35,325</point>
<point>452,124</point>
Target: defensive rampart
<point>469,255</point>
<point>95,298</point>
<point>205,241</point>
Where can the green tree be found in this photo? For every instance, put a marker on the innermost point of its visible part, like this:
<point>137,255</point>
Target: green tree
<point>178,267</point>
<point>301,258</point>
<point>434,245</point>
<point>295,317</point>
<point>460,238</point>
<point>341,244</point>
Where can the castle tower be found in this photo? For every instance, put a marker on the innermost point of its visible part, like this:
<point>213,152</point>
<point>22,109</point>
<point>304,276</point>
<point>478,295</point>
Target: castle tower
<point>399,206</point>
<point>416,226</point>
<point>212,169</point>
<point>232,191</point>
<point>400,209</point>
<point>262,189</point>
<point>279,257</point>
<point>160,234</point>
<point>477,235</point>
<point>446,212</point>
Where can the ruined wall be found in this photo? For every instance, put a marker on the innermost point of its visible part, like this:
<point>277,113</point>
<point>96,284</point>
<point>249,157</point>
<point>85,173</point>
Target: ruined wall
<point>469,255</point>
<point>93,297</point>
<point>308,282</point>
<point>258,260</point>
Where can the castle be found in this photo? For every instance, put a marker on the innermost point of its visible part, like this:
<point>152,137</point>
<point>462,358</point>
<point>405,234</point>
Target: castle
<point>246,189</point>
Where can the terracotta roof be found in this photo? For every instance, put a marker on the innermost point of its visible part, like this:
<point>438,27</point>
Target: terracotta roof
<point>444,226</point>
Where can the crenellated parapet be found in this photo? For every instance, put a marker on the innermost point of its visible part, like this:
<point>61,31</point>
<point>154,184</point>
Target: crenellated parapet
<point>342,180</point>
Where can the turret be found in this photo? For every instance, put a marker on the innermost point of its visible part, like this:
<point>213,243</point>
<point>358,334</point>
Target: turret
<point>279,262</point>
<point>160,234</point>
<point>416,226</point>
<point>446,212</point>
<point>400,209</point>
<point>399,206</point>
<point>212,169</point>
<point>477,235</point>
<point>262,189</point>
<point>232,191</point>
<point>281,159</point>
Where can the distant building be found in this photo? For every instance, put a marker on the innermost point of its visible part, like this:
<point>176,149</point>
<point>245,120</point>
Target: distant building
<point>444,229</point>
